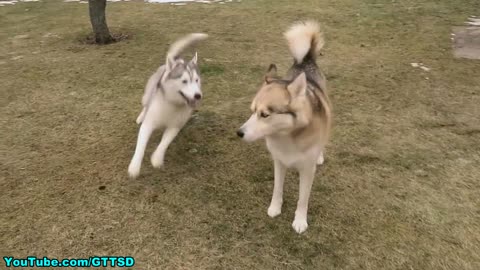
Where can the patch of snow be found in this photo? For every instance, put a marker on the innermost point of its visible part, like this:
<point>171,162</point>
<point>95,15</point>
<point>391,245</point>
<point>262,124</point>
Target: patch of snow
<point>47,35</point>
<point>20,36</point>
<point>425,68</point>
<point>167,1</point>
<point>172,2</point>
<point>184,2</point>
<point>13,2</point>
<point>2,3</point>
<point>420,65</point>
<point>473,21</point>
<point>83,2</point>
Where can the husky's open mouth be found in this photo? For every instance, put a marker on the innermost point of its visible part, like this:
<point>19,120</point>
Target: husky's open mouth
<point>190,102</point>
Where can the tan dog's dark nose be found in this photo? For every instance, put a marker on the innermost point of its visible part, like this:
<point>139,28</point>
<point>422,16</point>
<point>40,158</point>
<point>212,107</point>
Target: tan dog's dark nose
<point>240,133</point>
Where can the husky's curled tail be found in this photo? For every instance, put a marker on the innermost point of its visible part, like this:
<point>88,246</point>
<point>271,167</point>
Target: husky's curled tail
<point>182,44</point>
<point>305,40</point>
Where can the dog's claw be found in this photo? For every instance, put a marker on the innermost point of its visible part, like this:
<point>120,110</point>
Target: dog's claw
<point>300,225</point>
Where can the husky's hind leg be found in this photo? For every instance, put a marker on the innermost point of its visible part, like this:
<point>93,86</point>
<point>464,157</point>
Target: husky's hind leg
<point>168,135</point>
<point>146,130</point>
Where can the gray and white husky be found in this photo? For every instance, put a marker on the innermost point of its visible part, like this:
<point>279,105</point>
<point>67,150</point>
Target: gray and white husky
<point>171,94</point>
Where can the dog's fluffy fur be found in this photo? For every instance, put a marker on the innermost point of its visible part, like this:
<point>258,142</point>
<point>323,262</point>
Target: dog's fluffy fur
<point>170,95</point>
<point>293,114</point>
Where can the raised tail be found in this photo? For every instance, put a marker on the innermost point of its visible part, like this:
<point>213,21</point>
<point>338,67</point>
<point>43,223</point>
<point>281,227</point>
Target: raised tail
<point>180,45</point>
<point>305,40</point>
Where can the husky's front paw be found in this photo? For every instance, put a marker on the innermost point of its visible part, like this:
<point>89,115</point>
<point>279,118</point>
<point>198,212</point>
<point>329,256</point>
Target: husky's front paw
<point>300,225</point>
<point>157,160</point>
<point>275,209</point>
<point>133,170</point>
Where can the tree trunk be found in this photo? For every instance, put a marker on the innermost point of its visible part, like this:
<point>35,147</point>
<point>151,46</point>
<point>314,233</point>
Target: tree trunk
<point>99,22</point>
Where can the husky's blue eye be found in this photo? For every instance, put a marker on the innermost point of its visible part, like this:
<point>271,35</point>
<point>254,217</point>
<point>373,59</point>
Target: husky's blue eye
<point>184,81</point>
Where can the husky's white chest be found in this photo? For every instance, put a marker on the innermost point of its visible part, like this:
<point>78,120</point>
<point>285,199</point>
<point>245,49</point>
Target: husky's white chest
<point>286,151</point>
<point>165,114</point>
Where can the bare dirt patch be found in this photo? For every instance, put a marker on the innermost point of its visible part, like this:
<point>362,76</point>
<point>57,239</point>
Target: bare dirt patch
<point>116,37</point>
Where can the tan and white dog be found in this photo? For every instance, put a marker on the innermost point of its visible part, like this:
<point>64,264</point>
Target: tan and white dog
<point>171,94</point>
<point>293,114</point>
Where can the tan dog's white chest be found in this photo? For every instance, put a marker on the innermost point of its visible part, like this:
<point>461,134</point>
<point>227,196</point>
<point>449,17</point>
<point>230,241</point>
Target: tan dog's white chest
<point>286,151</point>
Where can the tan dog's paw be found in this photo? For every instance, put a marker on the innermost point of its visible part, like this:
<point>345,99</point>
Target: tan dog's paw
<point>300,225</point>
<point>274,210</point>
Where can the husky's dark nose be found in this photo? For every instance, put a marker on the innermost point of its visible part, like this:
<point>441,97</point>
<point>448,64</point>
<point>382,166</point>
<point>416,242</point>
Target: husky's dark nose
<point>240,133</point>
<point>197,96</point>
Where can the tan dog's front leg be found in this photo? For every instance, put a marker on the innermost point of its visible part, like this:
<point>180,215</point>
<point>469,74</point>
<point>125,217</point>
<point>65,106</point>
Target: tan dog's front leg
<point>277,198</point>
<point>307,173</point>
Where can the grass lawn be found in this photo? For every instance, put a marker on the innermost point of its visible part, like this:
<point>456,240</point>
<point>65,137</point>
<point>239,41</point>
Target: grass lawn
<point>400,188</point>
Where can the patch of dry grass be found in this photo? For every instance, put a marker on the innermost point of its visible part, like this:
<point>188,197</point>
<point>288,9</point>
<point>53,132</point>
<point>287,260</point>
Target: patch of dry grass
<point>399,189</point>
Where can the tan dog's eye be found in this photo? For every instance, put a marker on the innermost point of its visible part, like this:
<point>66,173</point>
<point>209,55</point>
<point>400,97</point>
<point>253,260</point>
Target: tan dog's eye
<point>264,115</point>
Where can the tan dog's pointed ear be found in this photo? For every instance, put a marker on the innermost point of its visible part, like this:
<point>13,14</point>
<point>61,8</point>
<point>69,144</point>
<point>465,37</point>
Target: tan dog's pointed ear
<point>271,73</point>
<point>298,86</point>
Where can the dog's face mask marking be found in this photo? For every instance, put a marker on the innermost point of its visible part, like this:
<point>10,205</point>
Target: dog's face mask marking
<point>278,109</point>
<point>184,80</point>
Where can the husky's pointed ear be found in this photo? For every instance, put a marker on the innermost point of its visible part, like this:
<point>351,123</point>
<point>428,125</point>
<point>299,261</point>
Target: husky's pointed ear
<point>170,64</point>
<point>298,86</point>
<point>194,59</point>
<point>271,73</point>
